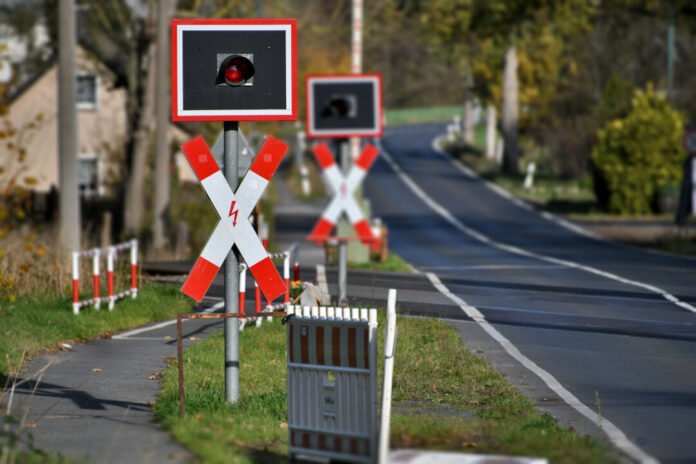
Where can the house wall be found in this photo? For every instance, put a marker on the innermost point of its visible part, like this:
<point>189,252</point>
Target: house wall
<point>101,131</point>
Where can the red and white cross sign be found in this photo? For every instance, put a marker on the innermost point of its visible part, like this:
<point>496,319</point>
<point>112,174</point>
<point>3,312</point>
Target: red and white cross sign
<point>234,227</point>
<point>343,200</point>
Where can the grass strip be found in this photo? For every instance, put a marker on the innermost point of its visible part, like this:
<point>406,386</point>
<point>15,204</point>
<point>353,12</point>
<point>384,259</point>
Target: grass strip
<point>393,263</point>
<point>30,325</point>
<point>444,398</point>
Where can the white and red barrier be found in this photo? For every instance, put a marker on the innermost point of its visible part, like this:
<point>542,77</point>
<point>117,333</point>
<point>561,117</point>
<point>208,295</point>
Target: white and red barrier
<point>111,253</point>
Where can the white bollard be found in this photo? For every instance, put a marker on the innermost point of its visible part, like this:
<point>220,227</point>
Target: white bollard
<point>389,349</point>
<point>529,178</point>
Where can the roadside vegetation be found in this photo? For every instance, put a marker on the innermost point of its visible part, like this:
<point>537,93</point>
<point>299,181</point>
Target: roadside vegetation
<point>36,316</point>
<point>393,263</point>
<point>31,325</point>
<point>294,179</point>
<point>444,398</point>
<point>635,170</point>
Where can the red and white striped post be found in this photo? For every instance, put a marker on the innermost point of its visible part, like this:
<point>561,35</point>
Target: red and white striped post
<point>95,273</point>
<point>286,276</point>
<point>134,268</point>
<point>76,282</point>
<point>110,277</point>
<point>242,287</point>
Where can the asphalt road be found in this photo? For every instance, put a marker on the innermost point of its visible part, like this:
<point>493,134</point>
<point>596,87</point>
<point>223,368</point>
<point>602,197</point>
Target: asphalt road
<point>580,308</point>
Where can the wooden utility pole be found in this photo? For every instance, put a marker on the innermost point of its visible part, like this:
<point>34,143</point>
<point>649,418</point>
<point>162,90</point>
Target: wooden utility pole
<point>69,203</point>
<point>165,10</point>
<point>510,121</point>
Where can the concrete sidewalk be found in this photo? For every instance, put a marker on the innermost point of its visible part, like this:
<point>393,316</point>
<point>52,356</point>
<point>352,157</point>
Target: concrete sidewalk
<point>93,402</point>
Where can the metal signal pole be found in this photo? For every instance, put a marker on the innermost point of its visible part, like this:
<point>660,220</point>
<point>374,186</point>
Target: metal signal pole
<point>344,160</point>
<point>231,170</point>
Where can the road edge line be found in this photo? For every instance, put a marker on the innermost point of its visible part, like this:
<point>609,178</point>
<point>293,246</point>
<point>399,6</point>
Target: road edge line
<point>616,436</point>
<point>125,335</point>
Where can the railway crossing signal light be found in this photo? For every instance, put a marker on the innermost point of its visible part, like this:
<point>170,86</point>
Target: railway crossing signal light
<point>341,107</point>
<point>235,71</point>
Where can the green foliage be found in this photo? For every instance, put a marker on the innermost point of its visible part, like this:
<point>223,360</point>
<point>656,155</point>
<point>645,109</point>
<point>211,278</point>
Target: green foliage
<point>639,153</point>
<point>29,325</point>
<point>616,99</point>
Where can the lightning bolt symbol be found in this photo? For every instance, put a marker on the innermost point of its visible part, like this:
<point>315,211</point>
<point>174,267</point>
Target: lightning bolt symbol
<point>233,212</point>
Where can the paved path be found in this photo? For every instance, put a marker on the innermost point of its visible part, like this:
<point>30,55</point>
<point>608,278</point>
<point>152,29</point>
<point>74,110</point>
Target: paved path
<point>92,403</point>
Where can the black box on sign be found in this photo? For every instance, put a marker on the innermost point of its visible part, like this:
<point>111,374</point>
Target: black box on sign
<point>201,47</point>
<point>344,106</point>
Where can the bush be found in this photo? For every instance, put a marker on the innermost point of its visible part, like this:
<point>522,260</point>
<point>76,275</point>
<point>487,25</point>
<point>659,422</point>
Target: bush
<point>637,154</point>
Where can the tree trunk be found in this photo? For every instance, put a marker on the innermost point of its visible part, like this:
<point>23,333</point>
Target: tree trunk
<point>468,121</point>
<point>134,207</point>
<point>162,155</point>
<point>491,131</point>
<point>510,112</point>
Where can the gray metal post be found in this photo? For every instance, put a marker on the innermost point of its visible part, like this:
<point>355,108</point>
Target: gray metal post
<point>69,203</point>
<point>344,150</point>
<point>300,146</point>
<point>231,170</point>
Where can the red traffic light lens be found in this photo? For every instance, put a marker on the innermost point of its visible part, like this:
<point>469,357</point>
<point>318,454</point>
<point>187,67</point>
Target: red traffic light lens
<point>237,70</point>
<point>233,75</point>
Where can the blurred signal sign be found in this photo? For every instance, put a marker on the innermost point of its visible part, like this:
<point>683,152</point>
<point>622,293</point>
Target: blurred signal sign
<point>342,106</point>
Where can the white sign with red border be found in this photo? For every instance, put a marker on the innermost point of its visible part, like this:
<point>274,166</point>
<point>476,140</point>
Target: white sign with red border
<point>234,227</point>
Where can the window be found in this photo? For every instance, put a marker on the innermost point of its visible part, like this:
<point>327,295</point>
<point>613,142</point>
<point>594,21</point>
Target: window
<point>87,91</point>
<point>88,175</point>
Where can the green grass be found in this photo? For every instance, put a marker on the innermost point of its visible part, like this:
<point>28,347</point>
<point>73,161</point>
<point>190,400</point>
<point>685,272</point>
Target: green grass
<point>28,326</point>
<point>394,263</point>
<point>681,244</point>
<point>444,398</point>
<point>419,115</point>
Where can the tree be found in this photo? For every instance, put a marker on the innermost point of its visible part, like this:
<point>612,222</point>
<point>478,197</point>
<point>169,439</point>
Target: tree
<point>640,153</point>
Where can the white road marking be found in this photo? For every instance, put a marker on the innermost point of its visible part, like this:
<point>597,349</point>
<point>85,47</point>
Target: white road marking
<point>614,433</point>
<point>617,437</point>
<point>456,223</point>
<point>130,333</point>
<point>491,267</point>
